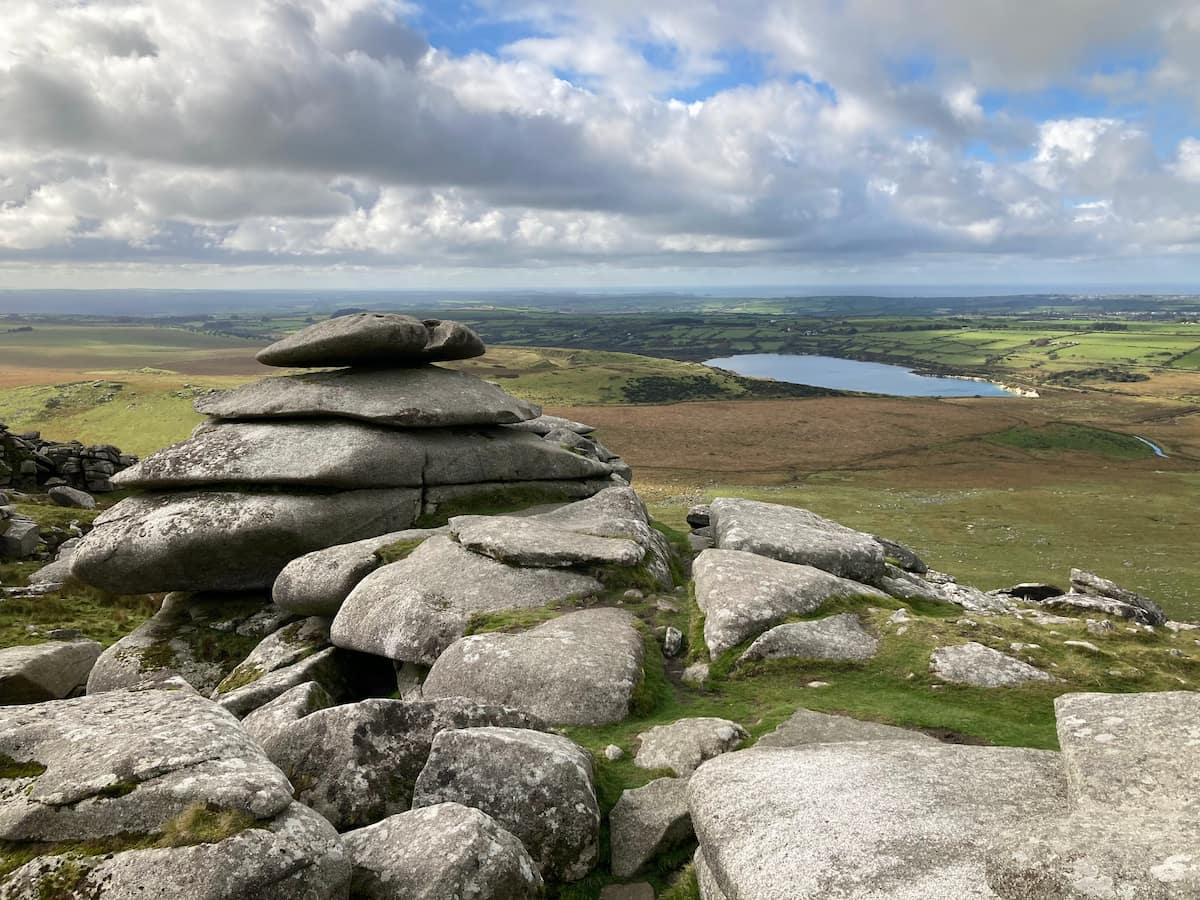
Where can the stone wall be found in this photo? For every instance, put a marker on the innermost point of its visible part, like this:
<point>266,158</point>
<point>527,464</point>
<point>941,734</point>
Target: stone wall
<point>29,463</point>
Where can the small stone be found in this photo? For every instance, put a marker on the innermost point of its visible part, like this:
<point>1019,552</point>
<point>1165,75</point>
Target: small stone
<point>672,642</point>
<point>72,498</point>
<point>1082,645</point>
<point>633,595</point>
<point>683,745</point>
<point>613,753</point>
<point>664,605</point>
<point>817,684</point>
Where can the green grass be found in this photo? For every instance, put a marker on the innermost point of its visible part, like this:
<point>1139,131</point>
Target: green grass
<point>397,551</point>
<point>14,768</point>
<point>1060,437</point>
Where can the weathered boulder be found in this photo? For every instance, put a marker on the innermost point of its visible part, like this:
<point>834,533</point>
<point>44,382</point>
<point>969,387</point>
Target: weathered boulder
<point>19,540</point>
<point>49,671</point>
<point>268,722</point>
<point>373,339</point>
<point>346,454</point>
<point>805,727</point>
<point>200,637</point>
<point>1092,855</point>
<point>317,583</point>
<point>906,558</point>
<point>1095,605</point>
<point>648,821</point>
<point>59,571</point>
<point>579,669</point>
<point>128,762</point>
<point>975,664</point>
<point>903,820</point>
<point>412,610</point>
<point>537,786</point>
<point>295,856</point>
<point>424,397</point>
<point>1084,582</point>
<point>357,763</point>
<point>438,852</point>
<point>227,540</point>
<point>544,424</point>
<point>743,594</point>
<point>943,588</point>
<point>705,880</point>
<point>529,542</point>
<point>794,535</point>
<point>683,745</point>
<point>834,637</point>
<point>290,644</point>
<point>1131,750</point>
<point>62,495</point>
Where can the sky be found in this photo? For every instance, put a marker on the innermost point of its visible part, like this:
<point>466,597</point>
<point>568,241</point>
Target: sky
<point>599,143</point>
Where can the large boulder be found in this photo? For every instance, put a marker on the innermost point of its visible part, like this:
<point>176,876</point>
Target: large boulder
<point>537,786</point>
<point>794,535</point>
<point>225,540</point>
<point>285,647</point>
<point>980,666</point>
<point>317,583</point>
<point>743,594</point>
<point>683,745</point>
<point>412,610</point>
<point>373,339</point>
<point>346,454</point>
<point>529,542</point>
<point>579,669</point>
<point>834,637</point>
<point>1084,582</point>
<point>200,637</point>
<point>898,819</point>
<point>438,852</point>
<point>425,397</point>
<point>295,856</point>
<point>269,722</point>
<point>49,671</point>
<point>128,762</point>
<point>357,763</point>
<point>64,495</point>
<point>648,821</point>
<point>805,727</point>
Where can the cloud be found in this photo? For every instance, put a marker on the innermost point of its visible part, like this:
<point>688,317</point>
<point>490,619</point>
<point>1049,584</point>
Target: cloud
<point>336,133</point>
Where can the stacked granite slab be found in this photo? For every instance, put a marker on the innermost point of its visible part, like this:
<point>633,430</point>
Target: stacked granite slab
<point>288,465</point>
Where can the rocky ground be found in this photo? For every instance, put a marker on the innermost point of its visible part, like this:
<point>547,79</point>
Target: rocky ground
<point>419,641</point>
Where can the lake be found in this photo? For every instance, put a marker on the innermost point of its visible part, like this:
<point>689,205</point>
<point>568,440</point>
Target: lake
<point>853,375</point>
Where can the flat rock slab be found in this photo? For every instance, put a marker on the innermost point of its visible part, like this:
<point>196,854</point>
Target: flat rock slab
<point>1090,855</point>
<point>357,763</point>
<point>129,762</point>
<point>544,425</point>
<point>345,454</point>
<point>683,745</point>
<point>1132,751</point>
<point>794,535</point>
<point>441,851</point>
<point>807,727</point>
<point>373,339</point>
<point>199,637</point>
<point>317,583</point>
<point>899,820</point>
<point>980,666</point>
<point>1149,612</point>
<point>412,610</point>
<point>49,671</point>
<point>743,594</point>
<point>268,723</point>
<point>225,540</point>
<point>296,856</point>
<point>529,542</point>
<point>834,637</point>
<point>579,669</point>
<point>648,821</point>
<point>425,397</point>
<point>537,786</point>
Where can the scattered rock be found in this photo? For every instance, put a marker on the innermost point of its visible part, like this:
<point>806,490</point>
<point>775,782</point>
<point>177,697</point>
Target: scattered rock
<point>537,786</point>
<point>808,727</point>
<point>225,540</point>
<point>579,669</point>
<point>683,745</point>
<point>981,666</point>
<point>613,753</point>
<point>71,497</point>
<point>425,397</point>
<point>834,637</point>
<point>49,671</point>
<point>898,819</point>
<point>412,610</point>
<point>794,535</point>
<point>743,594</point>
<point>373,339</point>
<point>441,851</point>
<point>648,821</point>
